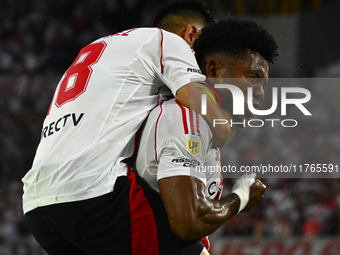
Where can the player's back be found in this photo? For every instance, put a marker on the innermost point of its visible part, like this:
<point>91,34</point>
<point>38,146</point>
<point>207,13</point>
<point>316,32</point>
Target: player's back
<point>98,106</point>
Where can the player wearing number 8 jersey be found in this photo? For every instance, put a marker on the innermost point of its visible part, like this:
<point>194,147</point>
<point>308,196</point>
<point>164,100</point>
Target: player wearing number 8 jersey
<point>79,188</point>
<point>97,108</point>
<point>82,155</point>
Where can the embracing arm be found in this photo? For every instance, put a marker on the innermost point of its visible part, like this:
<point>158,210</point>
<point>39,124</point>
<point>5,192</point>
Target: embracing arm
<point>191,215</point>
<point>222,132</point>
<point>176,59</point>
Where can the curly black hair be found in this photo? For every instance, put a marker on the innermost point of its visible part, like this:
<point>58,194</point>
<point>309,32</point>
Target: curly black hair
<point>186,8</point>
<point>234,37</point>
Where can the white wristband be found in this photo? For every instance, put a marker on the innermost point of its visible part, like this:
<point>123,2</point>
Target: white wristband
<point>244,198</point>
<point>242,188</point>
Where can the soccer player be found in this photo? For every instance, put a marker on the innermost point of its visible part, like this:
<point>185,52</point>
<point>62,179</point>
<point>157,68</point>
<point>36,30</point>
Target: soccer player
<point>79,196</point>
<point>175,155</point>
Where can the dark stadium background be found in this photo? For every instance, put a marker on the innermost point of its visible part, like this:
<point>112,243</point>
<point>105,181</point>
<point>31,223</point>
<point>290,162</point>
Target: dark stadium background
<point>40,39</point>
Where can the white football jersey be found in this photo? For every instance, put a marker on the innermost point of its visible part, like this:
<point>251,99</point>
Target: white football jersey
<point>176,141</point>
<point>98,106</point>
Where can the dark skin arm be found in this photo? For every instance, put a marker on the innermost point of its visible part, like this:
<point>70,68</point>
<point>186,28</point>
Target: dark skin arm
<point>191,215</point>
<point>221,133</point>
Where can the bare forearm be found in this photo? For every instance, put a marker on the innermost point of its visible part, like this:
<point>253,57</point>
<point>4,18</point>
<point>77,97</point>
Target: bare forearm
<point>211,214</point>
<point>192,216</point>
<point>190,96</point>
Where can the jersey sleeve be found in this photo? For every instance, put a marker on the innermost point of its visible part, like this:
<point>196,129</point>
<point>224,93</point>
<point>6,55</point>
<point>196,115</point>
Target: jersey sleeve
<point>170,60</point>
<point>181,151</point>
<point>179,64</point>
<point>175,161</point>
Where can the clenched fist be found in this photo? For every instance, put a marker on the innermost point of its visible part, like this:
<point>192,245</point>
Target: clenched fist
<point>257,190</point>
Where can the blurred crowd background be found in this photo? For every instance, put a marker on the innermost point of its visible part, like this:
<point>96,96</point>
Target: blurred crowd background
<point>298,204</point>
<point>40,39</point>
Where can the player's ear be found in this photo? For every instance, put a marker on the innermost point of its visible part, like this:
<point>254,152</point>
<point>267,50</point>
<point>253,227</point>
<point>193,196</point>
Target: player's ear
<point>213,69</point>
<point>191,34</point>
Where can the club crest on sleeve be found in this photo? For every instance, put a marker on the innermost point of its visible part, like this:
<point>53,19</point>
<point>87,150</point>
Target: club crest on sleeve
<point>193,144</point>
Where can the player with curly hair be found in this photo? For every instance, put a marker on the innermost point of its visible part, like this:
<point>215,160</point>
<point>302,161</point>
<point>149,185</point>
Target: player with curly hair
<point>176,143</point>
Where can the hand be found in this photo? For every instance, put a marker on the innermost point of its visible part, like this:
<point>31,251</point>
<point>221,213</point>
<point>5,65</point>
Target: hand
<point>257,190</point>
